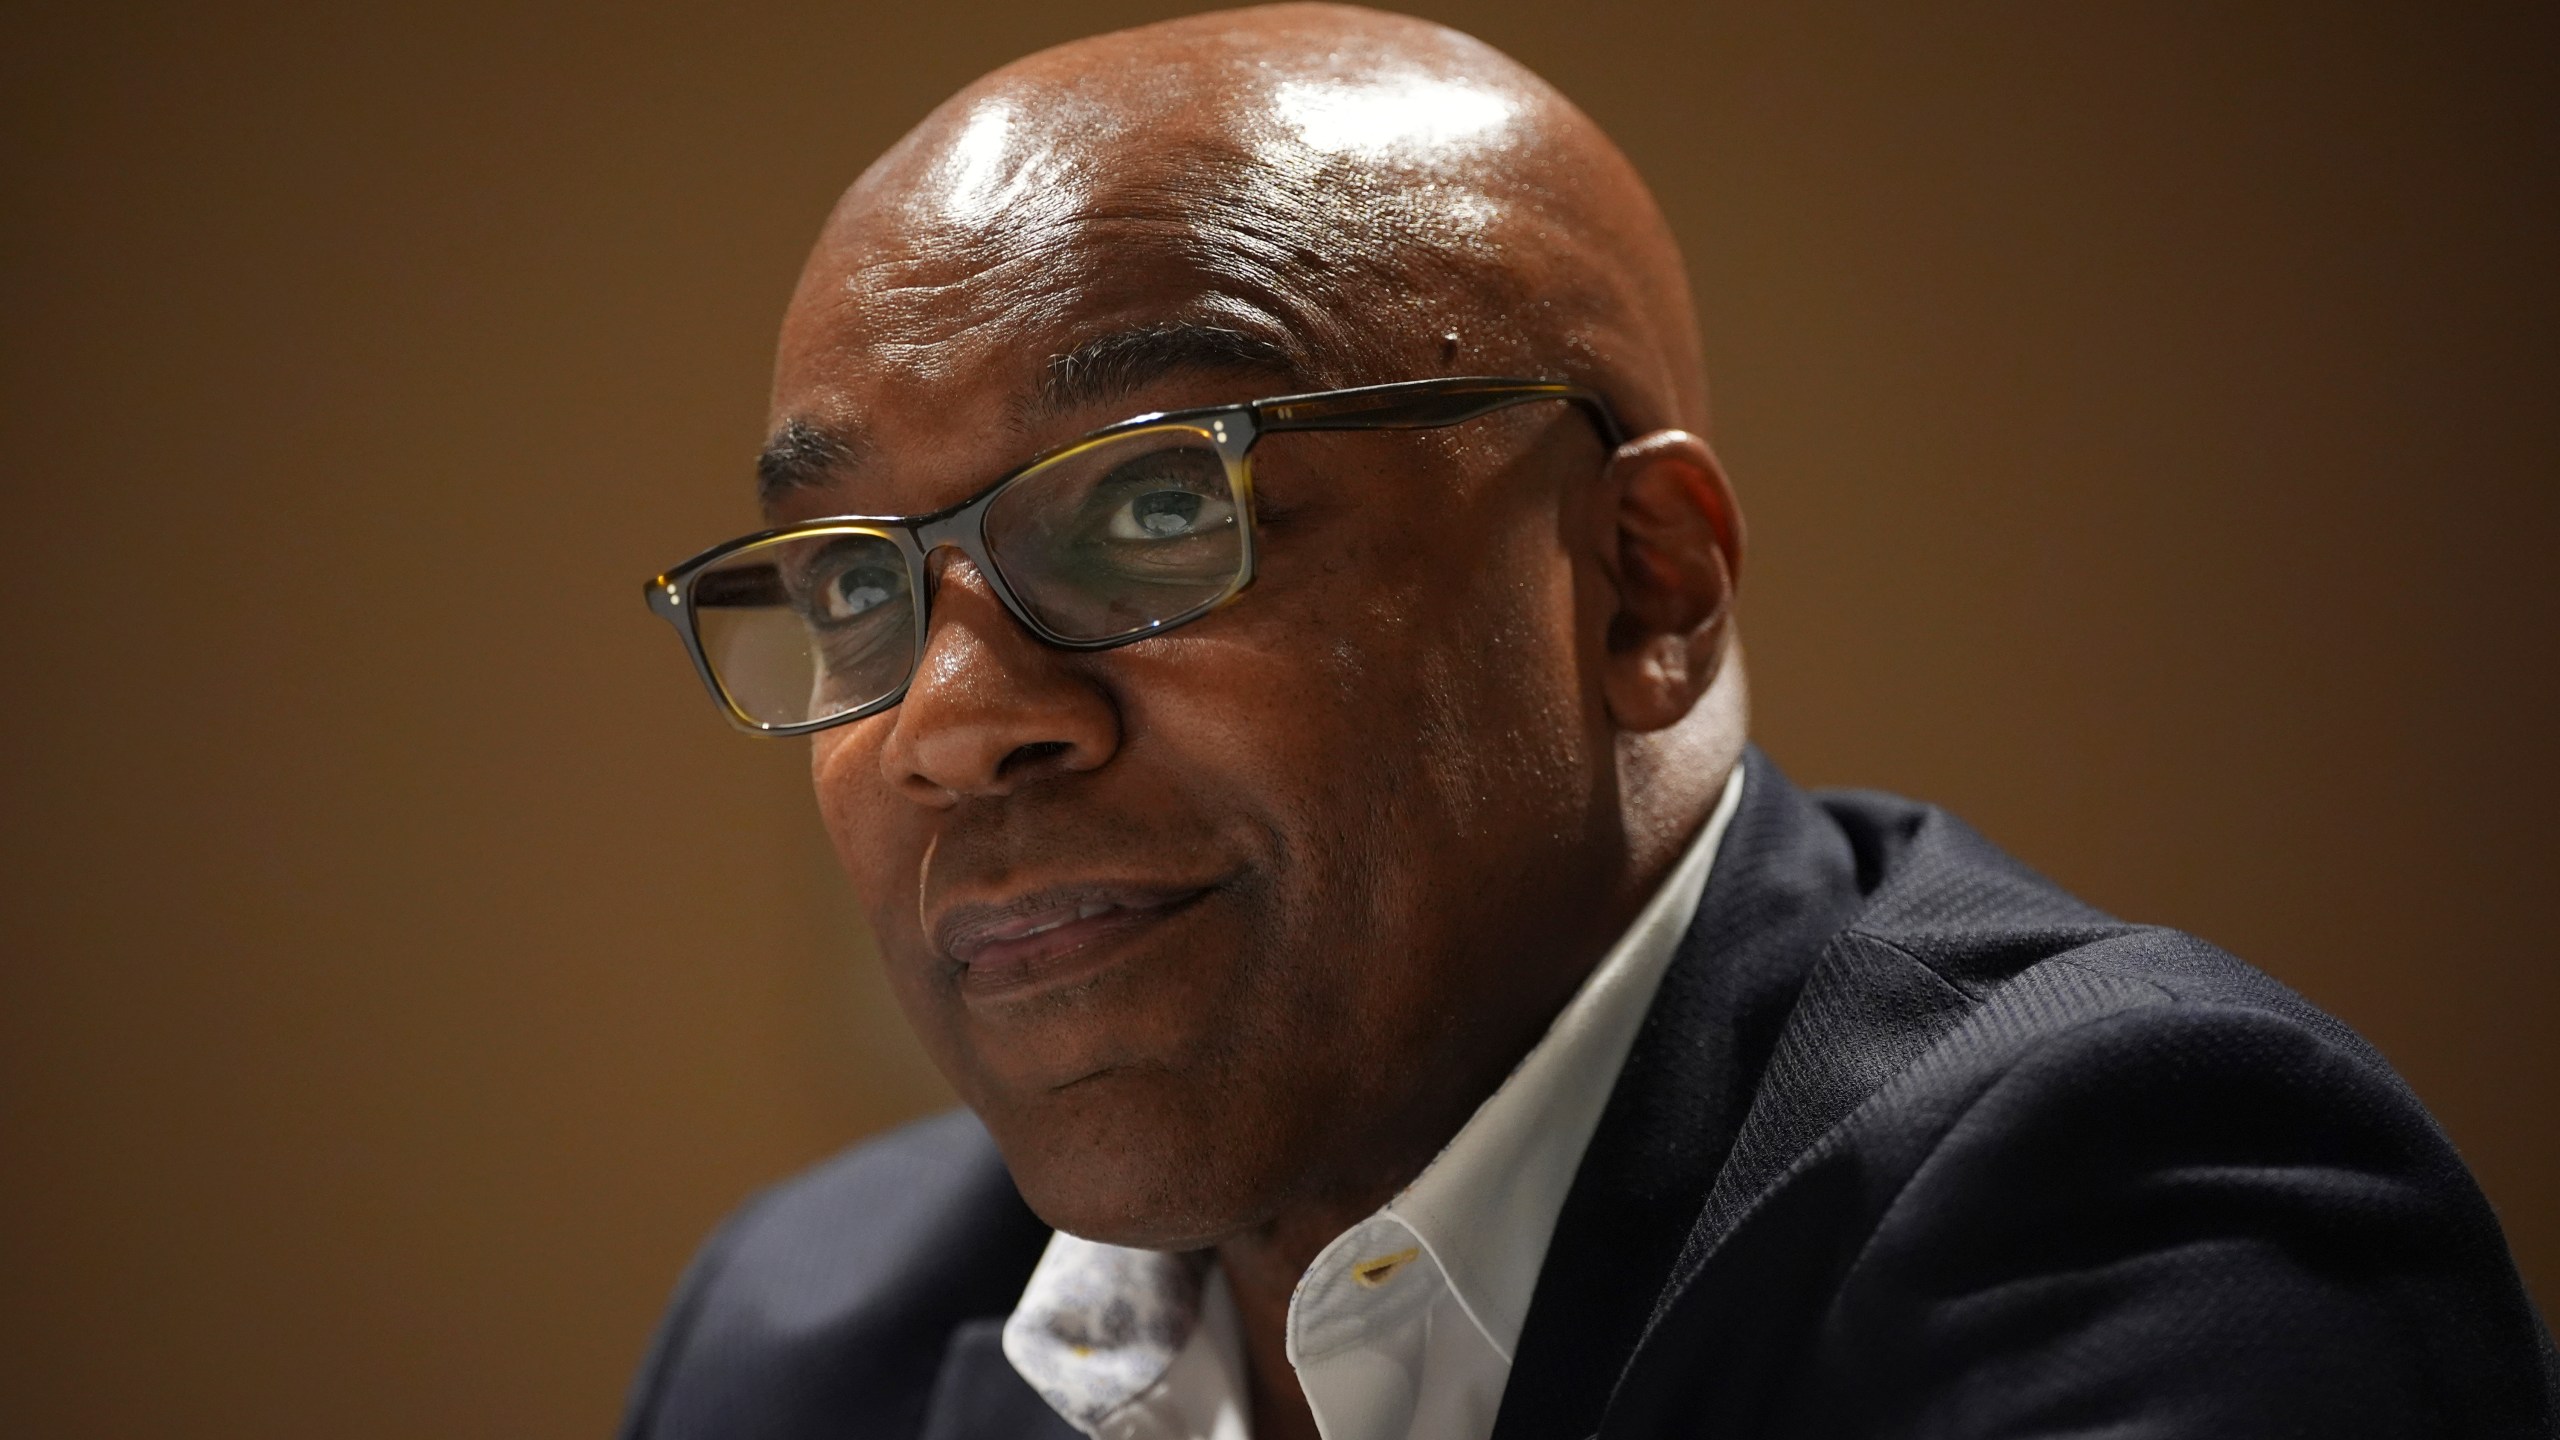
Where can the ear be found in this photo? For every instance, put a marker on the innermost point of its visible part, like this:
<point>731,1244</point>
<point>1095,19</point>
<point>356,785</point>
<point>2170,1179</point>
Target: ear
<point>1671,547</point>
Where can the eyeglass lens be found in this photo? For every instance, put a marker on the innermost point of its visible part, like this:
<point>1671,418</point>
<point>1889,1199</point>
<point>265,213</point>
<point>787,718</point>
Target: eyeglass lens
<point>1099,542</point>
<point>807,627</point>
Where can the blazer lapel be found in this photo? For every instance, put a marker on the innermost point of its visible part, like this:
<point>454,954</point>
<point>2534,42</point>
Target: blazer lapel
<point>1883,993</point>
<point>1785,880</point>
<point>1878,997</point>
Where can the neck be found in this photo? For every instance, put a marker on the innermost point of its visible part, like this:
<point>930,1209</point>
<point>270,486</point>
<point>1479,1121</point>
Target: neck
<point>1669,779</point>
<point>1262,1271</point>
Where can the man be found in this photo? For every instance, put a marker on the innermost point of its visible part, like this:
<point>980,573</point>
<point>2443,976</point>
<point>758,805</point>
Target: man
<point>1311,824</point>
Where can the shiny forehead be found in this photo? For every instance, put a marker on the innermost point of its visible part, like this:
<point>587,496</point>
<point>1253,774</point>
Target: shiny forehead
<point>1343,186</point>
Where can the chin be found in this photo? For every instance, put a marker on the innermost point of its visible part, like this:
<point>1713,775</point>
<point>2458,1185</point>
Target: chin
<point>1135,1163</point>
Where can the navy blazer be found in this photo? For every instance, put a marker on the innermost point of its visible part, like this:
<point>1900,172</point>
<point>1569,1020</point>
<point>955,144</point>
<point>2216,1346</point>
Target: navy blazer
<point>1911,1143</point>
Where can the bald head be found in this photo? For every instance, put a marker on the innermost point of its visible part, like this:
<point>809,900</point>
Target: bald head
<point>1368,196</point>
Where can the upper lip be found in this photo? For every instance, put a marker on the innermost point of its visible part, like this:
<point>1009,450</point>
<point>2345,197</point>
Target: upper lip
<point>964,931</point>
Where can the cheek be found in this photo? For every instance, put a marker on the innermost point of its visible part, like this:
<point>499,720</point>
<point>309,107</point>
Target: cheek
<point>844,770</point>
<point>1464,667</point>
<point>843,773</point>
<point>880,846</point>
<point>1513,729</point>
<point>1408,718</point>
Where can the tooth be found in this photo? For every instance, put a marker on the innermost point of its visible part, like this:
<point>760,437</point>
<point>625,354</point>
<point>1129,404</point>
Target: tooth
<point>1091,908</point>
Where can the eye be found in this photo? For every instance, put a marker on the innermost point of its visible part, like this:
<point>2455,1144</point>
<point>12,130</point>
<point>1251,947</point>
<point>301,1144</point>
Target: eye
<point>855,592</point>
<point>1169,515</point>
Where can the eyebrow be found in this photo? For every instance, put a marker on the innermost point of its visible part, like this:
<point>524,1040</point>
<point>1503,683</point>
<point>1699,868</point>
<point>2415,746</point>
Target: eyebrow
<point>1115,365</point>
<point>802,455</point>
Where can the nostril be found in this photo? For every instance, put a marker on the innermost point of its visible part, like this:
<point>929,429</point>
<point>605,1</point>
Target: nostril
<point>1025,757</point>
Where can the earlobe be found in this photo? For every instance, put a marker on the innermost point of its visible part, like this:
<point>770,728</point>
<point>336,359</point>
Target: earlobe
<point>1672,548</point>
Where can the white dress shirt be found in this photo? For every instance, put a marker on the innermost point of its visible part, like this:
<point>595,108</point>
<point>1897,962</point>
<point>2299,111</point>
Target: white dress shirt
<point>1404,1327</point>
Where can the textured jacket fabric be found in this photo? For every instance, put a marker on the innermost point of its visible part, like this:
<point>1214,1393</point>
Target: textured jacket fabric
<point>1912,1143</point>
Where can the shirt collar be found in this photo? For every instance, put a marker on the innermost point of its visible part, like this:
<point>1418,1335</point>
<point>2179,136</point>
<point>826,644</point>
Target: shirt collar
<point>1487,1205</point>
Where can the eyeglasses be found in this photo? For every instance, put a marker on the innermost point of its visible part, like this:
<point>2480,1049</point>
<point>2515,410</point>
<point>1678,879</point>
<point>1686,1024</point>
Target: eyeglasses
<point>1126,533</point>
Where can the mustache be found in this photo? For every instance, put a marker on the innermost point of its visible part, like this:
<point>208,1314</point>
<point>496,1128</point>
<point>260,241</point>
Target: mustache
<point>1014,847</point>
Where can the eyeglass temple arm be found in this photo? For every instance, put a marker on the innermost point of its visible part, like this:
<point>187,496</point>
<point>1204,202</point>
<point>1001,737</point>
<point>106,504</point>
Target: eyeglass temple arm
<point>1427,404</point>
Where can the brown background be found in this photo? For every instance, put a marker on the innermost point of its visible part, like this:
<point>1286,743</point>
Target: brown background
<point>2147,422</point>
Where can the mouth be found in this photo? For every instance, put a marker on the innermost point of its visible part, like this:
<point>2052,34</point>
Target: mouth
<point>1052,936</point>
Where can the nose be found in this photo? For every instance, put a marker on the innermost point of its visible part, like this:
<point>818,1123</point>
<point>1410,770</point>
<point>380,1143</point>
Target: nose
<point>991,709</point>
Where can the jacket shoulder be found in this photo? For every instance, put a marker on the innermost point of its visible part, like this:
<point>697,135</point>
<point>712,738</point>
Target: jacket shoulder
<point>1982,980</point>
<point>2008,1134</point>
<point>1977,920</point>
<point>828,1300</point>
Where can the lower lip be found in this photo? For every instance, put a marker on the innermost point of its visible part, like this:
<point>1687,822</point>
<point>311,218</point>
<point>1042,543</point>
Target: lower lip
<point>1071,952</point>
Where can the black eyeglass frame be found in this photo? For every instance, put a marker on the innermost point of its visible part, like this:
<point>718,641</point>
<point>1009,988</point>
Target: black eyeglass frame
<point>1231,429</point>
